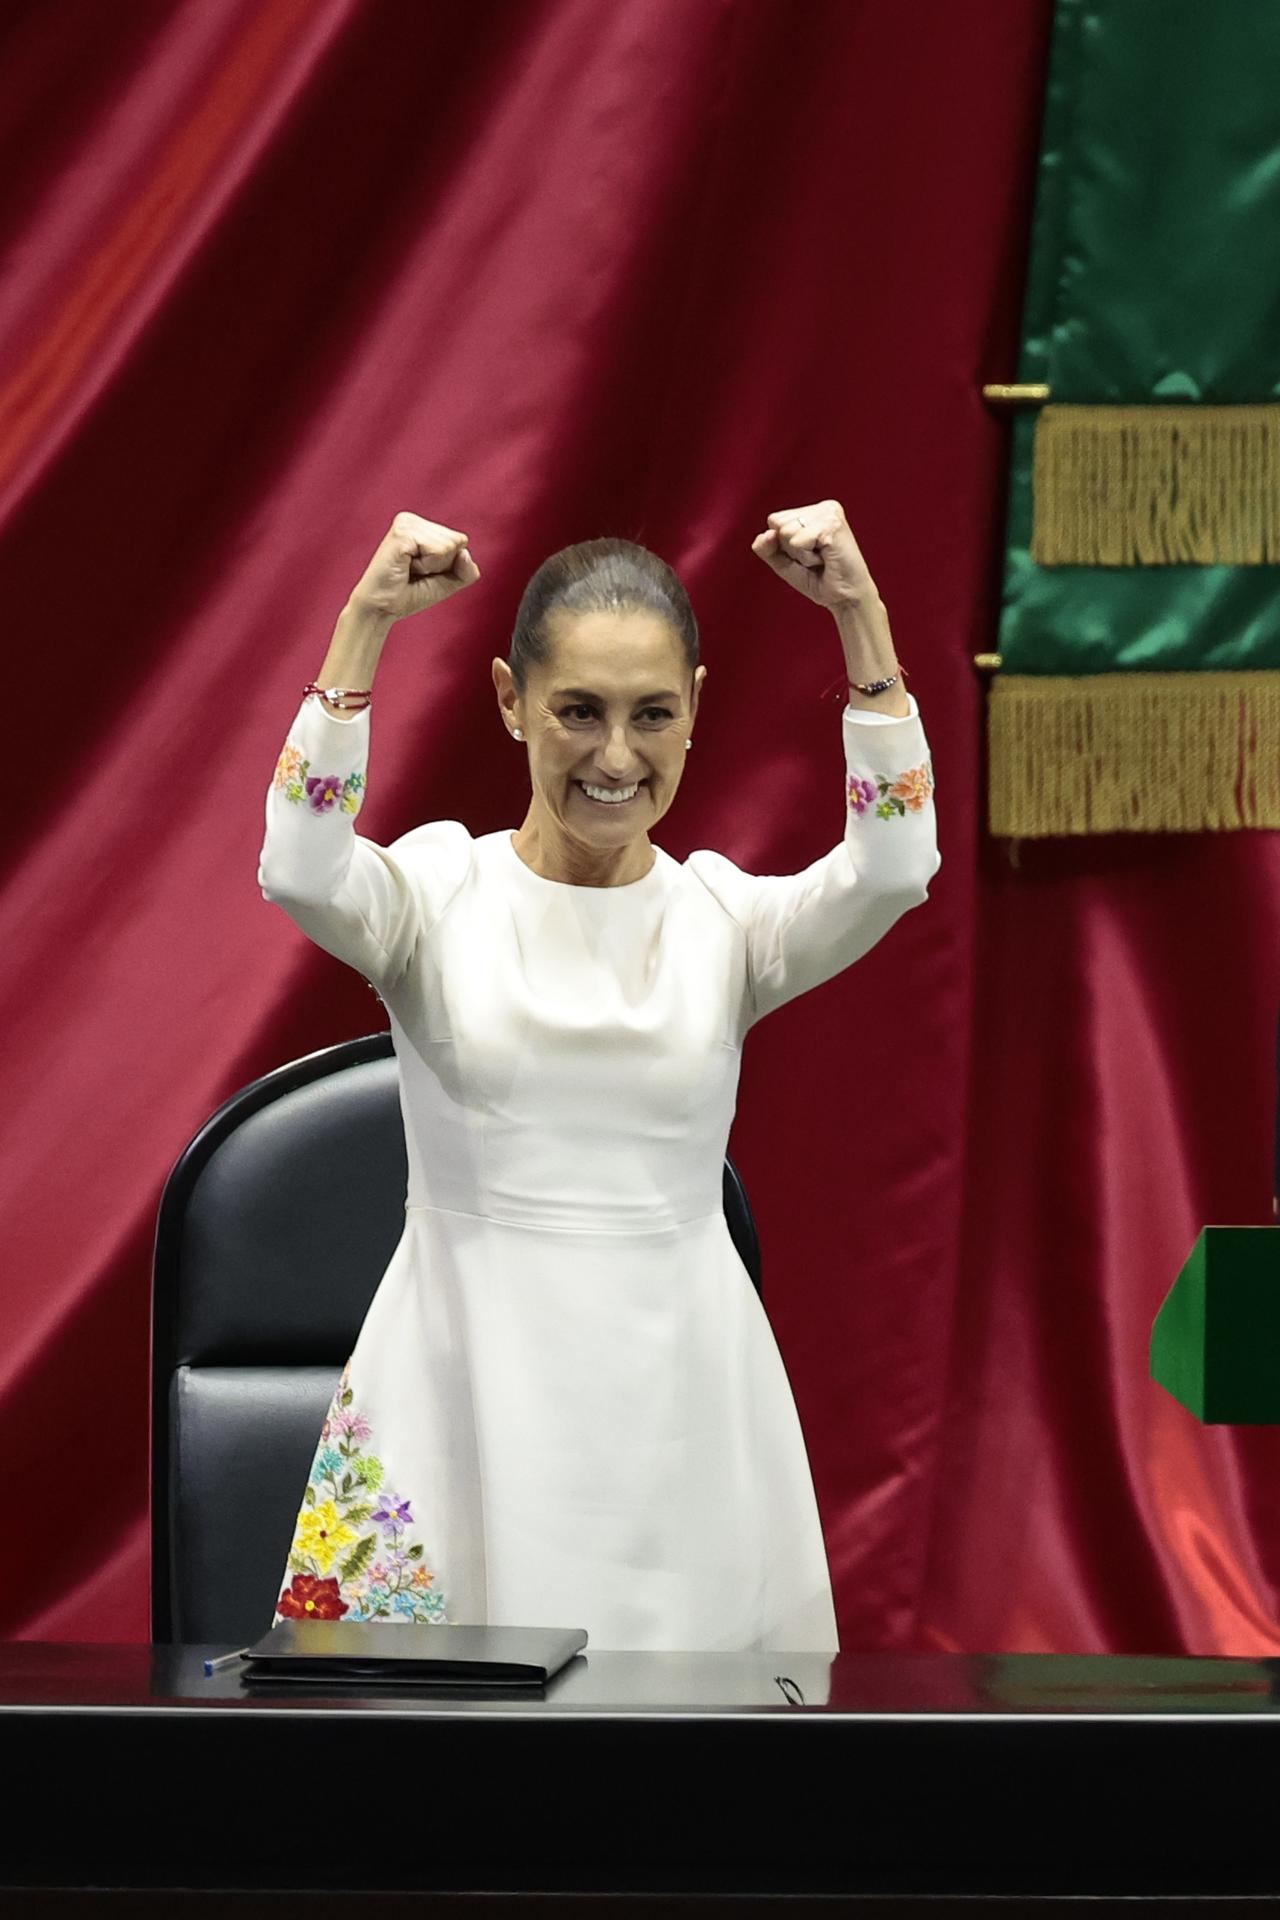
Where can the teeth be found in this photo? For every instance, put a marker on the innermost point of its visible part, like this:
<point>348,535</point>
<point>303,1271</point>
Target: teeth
<point>612,794</point>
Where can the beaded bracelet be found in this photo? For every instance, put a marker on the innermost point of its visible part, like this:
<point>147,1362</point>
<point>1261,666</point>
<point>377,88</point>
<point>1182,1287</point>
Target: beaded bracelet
<point>342,697</point>
<point>858,686</point>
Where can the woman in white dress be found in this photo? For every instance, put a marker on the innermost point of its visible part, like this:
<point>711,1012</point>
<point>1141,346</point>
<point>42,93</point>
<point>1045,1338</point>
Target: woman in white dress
<point>566,1406</point>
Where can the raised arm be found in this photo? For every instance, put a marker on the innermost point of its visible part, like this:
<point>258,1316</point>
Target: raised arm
<point>362,902</point>
<point>803,928</point>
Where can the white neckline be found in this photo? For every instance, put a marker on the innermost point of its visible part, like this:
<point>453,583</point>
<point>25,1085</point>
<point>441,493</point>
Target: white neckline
<point>506,838</point>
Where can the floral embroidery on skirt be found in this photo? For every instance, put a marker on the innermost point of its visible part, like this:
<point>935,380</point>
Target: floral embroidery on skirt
<point>354,1555</point>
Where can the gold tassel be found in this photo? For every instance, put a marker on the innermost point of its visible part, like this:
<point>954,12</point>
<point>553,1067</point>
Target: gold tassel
<point>1133,753</point>
<point>1156,485</point>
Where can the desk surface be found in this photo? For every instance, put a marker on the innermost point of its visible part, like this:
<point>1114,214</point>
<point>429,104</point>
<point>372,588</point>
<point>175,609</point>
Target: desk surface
<point>875,1774</point>
<point>51,1677</point>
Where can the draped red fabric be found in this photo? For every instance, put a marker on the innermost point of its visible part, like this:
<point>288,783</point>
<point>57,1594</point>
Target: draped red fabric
<point>546,270</point>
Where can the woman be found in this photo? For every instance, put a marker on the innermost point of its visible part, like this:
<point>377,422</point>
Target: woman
<point>566,1406</point>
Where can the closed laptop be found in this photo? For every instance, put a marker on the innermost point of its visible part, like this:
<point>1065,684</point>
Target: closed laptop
<point>415,1654</point>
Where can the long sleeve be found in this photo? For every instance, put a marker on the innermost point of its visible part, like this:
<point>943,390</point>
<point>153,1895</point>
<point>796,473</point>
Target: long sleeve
<point>367,905</point>
<point>803,928</point>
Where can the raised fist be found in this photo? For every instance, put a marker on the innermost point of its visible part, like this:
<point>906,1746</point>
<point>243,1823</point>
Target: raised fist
<point>418,564</point>
<point>813,549</point>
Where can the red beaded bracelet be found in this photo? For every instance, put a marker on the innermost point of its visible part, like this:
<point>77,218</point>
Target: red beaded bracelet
<point>341,696</point>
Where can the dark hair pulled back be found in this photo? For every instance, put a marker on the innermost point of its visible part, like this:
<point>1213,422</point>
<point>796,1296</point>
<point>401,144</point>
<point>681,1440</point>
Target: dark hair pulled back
<point>610,575</point>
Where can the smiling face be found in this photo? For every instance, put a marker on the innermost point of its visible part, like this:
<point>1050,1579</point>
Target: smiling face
<point>607,714</point>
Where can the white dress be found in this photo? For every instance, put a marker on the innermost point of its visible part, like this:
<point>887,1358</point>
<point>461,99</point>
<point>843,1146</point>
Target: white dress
<point>566,1405</point>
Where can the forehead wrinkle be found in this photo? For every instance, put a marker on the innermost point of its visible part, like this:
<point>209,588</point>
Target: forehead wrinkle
<point>623,648</point>
<point>584,693</point>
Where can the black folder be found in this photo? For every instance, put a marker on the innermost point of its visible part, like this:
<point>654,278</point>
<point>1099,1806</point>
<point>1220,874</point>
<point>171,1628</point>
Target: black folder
<point>373,1654</point>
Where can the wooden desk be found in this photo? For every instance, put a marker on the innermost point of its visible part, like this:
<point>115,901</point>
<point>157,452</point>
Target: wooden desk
<point>673,1774</point>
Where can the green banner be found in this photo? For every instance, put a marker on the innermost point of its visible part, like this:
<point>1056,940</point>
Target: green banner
<point>1139,635</point>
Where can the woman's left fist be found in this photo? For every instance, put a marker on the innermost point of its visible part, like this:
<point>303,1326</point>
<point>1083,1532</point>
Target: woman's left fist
<point>812,549</point>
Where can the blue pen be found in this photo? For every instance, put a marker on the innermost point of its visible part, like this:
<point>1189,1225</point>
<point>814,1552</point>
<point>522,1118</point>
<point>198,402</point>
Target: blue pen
<point>224,1660</point>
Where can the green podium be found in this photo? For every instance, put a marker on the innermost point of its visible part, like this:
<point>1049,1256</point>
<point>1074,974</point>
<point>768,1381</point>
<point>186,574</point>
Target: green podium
<point>1215,1344</point>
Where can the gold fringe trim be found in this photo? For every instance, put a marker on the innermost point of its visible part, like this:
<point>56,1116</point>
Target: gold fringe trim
<point>1133,753</point>
<point>1156,486</point>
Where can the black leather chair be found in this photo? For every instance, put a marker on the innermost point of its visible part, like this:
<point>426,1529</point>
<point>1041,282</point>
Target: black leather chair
<point>275,1226</point>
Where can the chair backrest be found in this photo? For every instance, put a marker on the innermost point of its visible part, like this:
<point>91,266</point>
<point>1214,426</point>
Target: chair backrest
<point>275,1226</point>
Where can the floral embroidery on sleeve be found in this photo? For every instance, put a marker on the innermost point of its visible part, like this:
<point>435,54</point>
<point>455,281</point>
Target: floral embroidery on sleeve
<point>905,793</point>
<point>353,1555</point>
<point>322,792</point>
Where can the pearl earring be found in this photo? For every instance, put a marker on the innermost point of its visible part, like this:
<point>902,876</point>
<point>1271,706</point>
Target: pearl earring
<point>687,745</point>
<point>516,734</point>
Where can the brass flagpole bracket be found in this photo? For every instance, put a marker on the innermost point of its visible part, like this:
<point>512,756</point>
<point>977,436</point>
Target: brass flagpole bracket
<point>1000,394</point>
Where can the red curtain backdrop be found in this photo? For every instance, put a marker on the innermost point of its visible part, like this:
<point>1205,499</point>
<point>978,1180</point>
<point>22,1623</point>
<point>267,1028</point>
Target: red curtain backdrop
<point>547,270</point>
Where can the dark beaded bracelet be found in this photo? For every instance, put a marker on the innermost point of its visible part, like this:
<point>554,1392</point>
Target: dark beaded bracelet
<point>870,686</point>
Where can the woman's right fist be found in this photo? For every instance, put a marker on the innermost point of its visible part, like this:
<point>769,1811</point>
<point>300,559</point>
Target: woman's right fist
<point>418,564</point>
